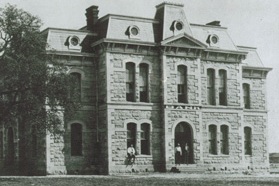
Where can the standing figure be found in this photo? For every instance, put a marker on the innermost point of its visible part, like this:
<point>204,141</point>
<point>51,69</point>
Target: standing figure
<point>178,154</point>
<point>131,154</point>
<point>186,153</point>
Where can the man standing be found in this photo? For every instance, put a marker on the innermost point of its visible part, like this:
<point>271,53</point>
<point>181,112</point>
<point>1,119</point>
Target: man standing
<point>131,153</point>
<point>186,153</point>
<point>178,154</point>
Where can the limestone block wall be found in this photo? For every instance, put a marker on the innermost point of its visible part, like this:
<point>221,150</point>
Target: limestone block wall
<point>233,120</point>
<point>55,157</point>
<point>233,82</point>
<point>117,134</point>
<point>257,92</point>
<point>170,79</point>
<point>258,123</point>
<point>117,76</point>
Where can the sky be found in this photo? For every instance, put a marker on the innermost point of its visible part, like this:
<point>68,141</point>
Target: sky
<point>252,23</point>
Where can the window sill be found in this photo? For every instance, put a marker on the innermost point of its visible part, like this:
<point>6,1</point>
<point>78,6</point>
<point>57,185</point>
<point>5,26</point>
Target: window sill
<point>132,103</point>
<point>219,155</point>
<point>143,156</point>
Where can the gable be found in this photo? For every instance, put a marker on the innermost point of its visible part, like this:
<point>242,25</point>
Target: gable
<point>184,41</point>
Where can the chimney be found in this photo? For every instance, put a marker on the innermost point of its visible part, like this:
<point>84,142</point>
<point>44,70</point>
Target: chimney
<point>214,23</point>
<point>91,16</point>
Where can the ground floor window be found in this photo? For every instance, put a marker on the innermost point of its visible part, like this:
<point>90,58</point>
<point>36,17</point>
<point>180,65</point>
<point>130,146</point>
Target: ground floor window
<point>140,141</point>
<point>212,139</point>
<point>247,141</point>
<point>224,139</point>
<point>76,139</point>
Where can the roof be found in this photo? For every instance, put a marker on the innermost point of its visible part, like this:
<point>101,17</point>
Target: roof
<point>202,32</point>
<point>252,58</point>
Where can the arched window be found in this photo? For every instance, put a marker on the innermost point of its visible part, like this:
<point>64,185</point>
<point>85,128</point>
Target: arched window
<point>212,139</point>
<point>130,81</point>
<point>143,82</point>
<point>182,84</point>
<point>247,141</point>
<point>76,139</point>
<point>131,134</point>
<point>34,141</point>
<point>246,95</point>
<point>224,139</point>
<point>145,136</point>
<point>75,91</point>
<point>211,86</point>
<point>222,87</point>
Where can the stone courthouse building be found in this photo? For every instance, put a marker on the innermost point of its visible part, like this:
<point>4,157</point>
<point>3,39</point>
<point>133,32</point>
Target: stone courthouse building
<point>154,83</point>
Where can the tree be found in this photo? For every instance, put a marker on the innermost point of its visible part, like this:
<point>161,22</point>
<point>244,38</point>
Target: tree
<point>33,87</point>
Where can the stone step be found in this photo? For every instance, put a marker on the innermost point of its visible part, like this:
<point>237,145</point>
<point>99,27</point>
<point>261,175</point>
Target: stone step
<point>191,169</point>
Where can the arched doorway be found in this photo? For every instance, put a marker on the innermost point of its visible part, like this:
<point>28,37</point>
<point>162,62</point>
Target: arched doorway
<point>184,134</point>
<point>10,146</point>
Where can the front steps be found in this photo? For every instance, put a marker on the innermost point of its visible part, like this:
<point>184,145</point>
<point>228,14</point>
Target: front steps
<point>188,169</point>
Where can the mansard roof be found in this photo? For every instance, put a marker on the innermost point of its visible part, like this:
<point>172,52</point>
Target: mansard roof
<point>161,30</point>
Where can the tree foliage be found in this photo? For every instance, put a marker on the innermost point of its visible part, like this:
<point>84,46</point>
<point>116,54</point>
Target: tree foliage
<point>34,88</point>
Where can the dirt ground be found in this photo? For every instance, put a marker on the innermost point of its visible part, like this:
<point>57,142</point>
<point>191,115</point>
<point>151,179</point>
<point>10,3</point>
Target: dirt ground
<point>141,179</point>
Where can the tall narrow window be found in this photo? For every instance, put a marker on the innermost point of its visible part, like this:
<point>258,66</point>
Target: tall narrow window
<point>76,139</point>
<point>75,91</point>
<point>10,146</point>
<point>182,84</point>
<point>211,86</point>
<point>130,81</point>
<point>131,134</point>
<point>1,144</point>
<point>223,87</point>
<point>34,141</point>
<point>212,139</point>
<point>143,82</point>
<point>224,138</point>
<point>246,95</point>
<point>247,141</point>
<point>145,135</point>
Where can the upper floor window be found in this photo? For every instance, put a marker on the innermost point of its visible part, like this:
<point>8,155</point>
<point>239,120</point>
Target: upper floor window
<point>130,81</point>
<point>224,139</point>
<point>145,135</point>
<point>211,86</point>
<point>182,84</point>
<point>76,139</point>
<point>212,139</point>
<point>34,140</point>
<point>222,87</point>
<point>75,91</point>
<point>143,82</point>
<point>247,141</point>
<point>246,95</point>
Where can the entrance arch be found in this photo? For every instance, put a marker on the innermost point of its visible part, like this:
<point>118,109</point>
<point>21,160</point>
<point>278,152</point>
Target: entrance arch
<point>184,134</point>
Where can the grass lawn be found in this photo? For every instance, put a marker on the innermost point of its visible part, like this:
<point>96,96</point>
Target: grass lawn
<point>135,180</point>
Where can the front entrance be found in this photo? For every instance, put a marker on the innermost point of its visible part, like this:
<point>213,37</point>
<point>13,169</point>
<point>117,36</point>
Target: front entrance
<point>184,135</point>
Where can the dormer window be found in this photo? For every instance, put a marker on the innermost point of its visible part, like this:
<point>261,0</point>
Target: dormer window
<point>177,26</point>
<point>213,40</point>
<point>74,43</point>
<point>133,32</point>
